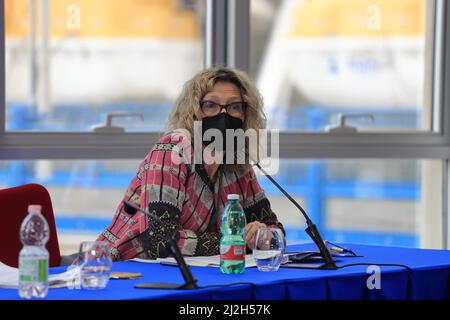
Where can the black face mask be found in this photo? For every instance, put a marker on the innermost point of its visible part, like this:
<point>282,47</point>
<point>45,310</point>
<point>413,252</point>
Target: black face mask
<point>221,122</point>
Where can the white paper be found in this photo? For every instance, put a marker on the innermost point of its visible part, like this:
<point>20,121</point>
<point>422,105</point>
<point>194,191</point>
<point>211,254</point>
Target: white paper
<point>70,278</point>
<point>199,261</point>
<point>9,277</point>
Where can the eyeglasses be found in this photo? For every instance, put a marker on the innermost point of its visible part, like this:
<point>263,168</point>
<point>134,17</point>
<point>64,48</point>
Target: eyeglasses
<point>235,109</point>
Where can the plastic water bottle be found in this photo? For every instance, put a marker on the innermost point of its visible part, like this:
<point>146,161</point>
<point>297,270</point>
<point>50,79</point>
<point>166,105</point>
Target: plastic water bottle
<point>232,243</point>
<point>33,258</point>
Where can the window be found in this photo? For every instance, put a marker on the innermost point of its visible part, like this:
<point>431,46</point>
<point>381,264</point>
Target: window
<point>309,72</point>
<point>84,193</point>
<point>370,201</point>
<point>374,201</point>
<point>316,59</point>
<point>70,63</point>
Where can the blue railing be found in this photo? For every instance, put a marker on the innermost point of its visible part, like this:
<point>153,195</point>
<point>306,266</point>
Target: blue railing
<point>309,180</point>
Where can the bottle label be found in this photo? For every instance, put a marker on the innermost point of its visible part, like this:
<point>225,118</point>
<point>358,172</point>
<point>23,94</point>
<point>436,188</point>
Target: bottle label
<point>232,252</point>
<point>33,270</point>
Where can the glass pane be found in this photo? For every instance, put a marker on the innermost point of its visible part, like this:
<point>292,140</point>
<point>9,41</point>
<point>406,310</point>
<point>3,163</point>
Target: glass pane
<point>84,193</point>
<point>315,59</point>
<point>379,202</point>
<point>100,57</point>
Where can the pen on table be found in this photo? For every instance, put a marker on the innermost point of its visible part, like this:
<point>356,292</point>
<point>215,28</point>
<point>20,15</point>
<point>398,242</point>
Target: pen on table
<point>337,248</point>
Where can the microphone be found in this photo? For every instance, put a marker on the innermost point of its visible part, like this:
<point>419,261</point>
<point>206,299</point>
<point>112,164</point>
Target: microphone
<point>311,230</point>
<point>189,281</point>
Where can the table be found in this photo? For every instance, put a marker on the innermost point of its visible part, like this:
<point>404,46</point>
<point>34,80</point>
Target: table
<point>428,279</point>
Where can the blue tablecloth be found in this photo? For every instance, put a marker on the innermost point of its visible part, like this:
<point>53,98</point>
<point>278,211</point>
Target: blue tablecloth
<point>428,279</point>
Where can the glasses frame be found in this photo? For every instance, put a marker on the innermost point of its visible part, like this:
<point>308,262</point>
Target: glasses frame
<point>225,106</point>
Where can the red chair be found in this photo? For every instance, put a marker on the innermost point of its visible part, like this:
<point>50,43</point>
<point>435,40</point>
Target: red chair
<point>13,209</point>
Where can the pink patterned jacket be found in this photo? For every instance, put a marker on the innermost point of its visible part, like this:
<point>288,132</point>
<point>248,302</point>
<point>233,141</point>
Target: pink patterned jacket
<point>181,194</point>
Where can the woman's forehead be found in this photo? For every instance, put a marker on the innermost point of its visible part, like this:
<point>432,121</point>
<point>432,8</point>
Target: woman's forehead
<point>224,89</point>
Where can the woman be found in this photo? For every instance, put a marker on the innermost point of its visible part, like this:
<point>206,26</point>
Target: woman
<point>188,197</point>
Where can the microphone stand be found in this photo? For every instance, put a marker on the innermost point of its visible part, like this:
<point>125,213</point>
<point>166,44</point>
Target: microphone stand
<point>189,281</point>
<point>311,230</point>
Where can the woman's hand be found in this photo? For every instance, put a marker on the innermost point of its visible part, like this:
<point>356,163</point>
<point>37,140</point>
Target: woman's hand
<point>250,232</point>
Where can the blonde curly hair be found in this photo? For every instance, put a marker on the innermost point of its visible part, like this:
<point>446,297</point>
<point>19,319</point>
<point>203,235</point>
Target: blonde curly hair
<point>187,106</point>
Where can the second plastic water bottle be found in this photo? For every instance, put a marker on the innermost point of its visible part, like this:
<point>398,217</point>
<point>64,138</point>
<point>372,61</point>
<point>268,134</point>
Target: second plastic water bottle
<point>33,258</point>
<point>232,243</point>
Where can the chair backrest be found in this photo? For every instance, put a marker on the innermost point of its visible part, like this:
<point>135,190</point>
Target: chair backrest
<point>13,209</point>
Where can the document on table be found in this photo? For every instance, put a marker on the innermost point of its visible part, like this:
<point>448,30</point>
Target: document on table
<point>199,261</point>
<point>9,278</point>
